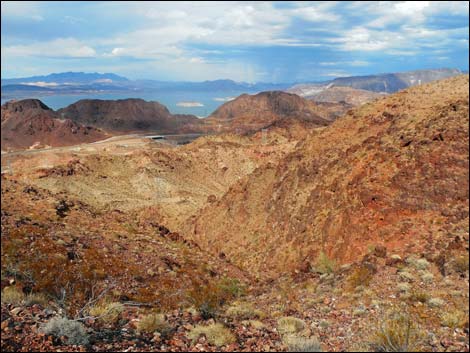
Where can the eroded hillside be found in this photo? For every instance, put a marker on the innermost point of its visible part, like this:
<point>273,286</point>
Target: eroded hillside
<point>393,173</point>
<point>169,183</point>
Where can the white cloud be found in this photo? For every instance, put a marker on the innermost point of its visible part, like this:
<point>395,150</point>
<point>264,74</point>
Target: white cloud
<point>194,39</point>
<point>62,47</point>
<point>29,10</point>
<point>407,40</point>
<point>387,13</point>
<point>316,12</point>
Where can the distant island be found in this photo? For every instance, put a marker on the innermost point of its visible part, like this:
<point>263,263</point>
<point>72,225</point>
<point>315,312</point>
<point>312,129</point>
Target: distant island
<point>189,104</point>
<point>223,99</point>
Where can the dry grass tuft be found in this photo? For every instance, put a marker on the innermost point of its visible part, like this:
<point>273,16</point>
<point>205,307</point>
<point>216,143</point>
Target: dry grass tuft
<point>454,319</point>
<point>397,333</point>
<point>107,312</point>
<point>216,334</point>
<point>290,325</point>
<point>36,298</point>
<point>324,264</point>
<point>302,344</point>
<point>154,323</point>
<point>244,311</point>
<point>12,295</point>
<point>361,276</point>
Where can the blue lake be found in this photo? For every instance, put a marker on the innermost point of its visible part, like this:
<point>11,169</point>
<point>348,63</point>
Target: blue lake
<point>210,100</point>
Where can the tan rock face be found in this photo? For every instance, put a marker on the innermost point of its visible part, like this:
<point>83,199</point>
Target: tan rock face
<point>394,172</point>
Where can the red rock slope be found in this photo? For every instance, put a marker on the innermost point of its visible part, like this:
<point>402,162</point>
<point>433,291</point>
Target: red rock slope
<point>393,172</point>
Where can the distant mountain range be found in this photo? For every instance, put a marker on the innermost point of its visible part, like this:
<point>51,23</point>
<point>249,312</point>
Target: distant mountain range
<point>81,82</point>
<point>68,78</point>
<point>382,83</point>
<point>91,83</point>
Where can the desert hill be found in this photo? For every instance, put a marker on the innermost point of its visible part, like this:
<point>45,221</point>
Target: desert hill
<point>393,172</point>
<point>249,113</point>
<point>30,122</point>
<point>126,115</point>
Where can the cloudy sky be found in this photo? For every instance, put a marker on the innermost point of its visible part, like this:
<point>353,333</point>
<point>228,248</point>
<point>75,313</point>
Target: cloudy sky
<point>243,41</point>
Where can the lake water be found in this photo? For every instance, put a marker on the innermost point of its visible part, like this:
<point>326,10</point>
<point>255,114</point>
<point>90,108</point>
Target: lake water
<point>210,100</point>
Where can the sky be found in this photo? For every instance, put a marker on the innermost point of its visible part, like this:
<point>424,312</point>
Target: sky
<point>243,41</point>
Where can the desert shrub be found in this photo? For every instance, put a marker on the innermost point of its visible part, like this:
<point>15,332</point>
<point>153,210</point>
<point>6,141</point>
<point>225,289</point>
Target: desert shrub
<point>36,298</point>
<point>426,276</point>
<point>232,287</point>
<point>302,344</point>
<point>410,260</point>
<point>421,264</point>
<point>107,312</point>
<point>435,302</point>
<point>403,287</point>
<point>73,330</point>
<point>243,311</point>
<point>406,276</point>
<point>361,276</point>
<point>419,296</point>
<point>209,297</point>
<point>216,334</point>
<point>359,311</point>
<point>154,323</point>
<point>254,323</point>
<point>324,264</point>
<point>396,333</point>
<point>454,319</point>
<point>12,295</point>
<point>290,325</point>
<point>461,264</point>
